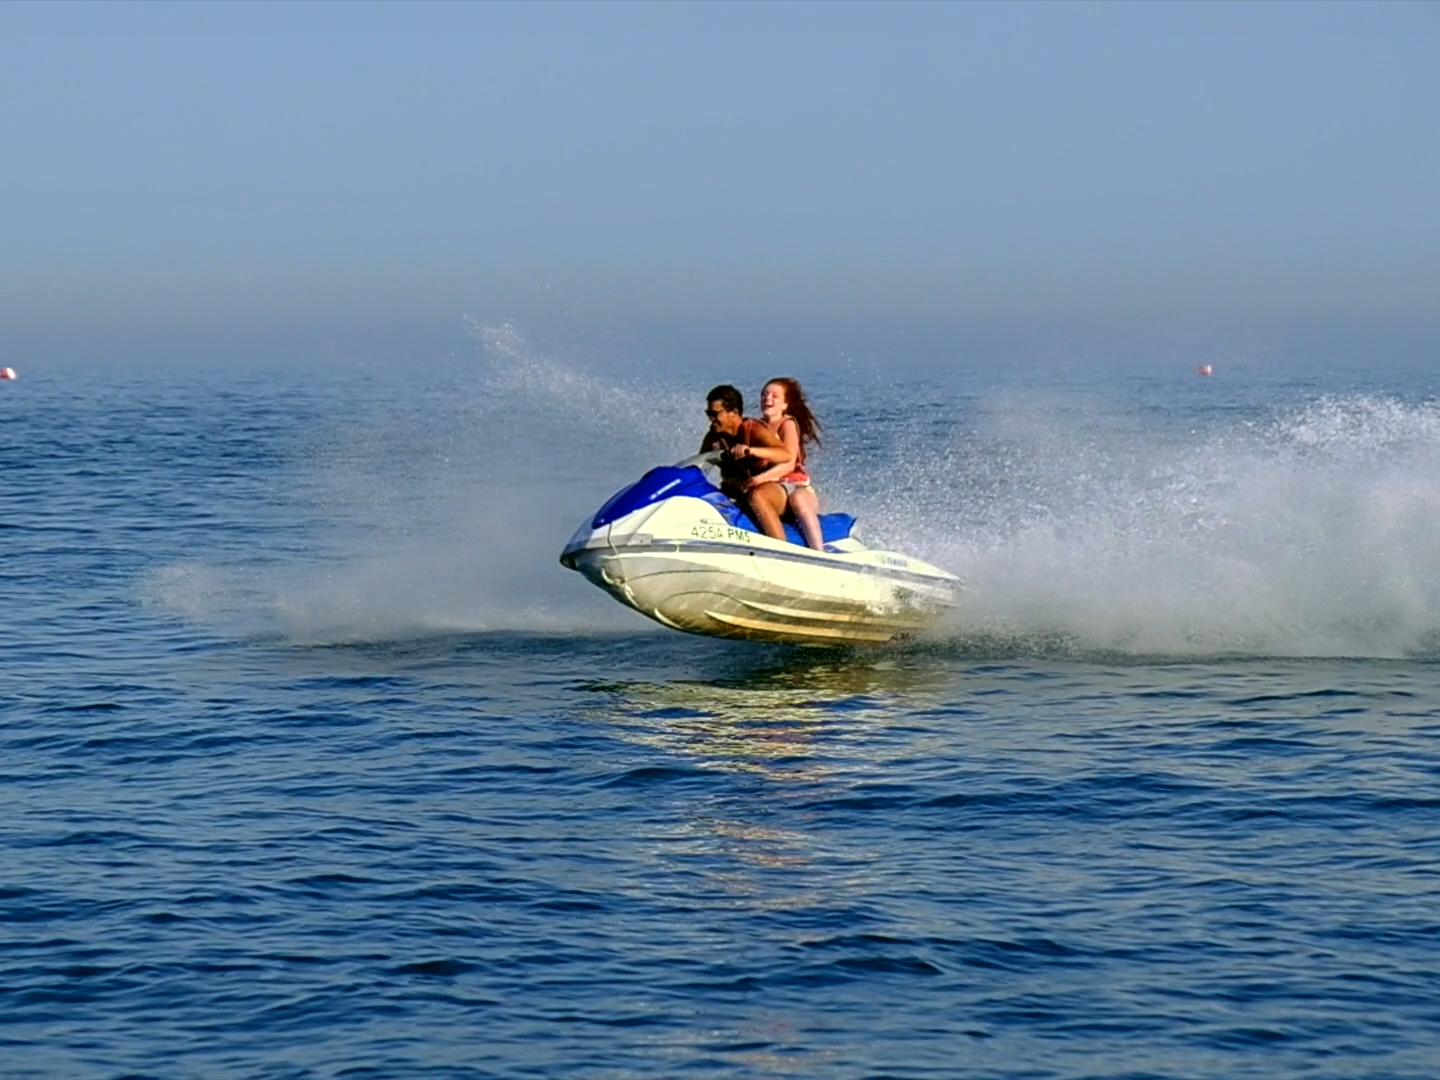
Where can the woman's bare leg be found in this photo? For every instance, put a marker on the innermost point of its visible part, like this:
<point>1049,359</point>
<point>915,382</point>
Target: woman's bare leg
<point>767,503</point>
<point>806,508</point>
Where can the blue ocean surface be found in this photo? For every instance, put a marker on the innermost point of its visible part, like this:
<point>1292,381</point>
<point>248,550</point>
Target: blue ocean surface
<point>315,763</point>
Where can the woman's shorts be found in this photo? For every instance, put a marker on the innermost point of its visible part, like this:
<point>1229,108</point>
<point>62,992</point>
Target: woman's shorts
<point>790,486</point>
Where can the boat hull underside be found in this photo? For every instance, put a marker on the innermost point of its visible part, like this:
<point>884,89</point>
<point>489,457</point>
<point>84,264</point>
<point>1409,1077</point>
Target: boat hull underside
<point>741,595</point>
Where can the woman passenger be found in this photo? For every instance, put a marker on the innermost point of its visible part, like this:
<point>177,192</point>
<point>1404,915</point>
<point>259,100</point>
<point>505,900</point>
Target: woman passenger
<point>786,485</point>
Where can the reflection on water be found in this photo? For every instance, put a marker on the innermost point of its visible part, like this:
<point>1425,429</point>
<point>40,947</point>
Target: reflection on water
<point>788,720</point>
<point>802,728</point>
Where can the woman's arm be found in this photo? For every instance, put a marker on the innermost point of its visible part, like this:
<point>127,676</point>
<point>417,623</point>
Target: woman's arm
<point>789,443</point>
<point>767,446</point>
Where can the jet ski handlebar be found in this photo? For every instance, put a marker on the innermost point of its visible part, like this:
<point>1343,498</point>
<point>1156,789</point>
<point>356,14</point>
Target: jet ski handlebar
<point>701,460</point>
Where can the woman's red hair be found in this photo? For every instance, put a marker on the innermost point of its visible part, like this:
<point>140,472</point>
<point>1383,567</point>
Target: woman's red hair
<point>795,406</point>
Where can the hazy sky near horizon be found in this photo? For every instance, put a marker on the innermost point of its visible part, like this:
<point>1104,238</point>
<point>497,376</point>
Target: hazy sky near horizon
<point>196,166</point>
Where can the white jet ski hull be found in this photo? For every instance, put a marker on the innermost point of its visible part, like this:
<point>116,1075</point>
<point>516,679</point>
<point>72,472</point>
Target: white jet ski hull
<point>680,562</point>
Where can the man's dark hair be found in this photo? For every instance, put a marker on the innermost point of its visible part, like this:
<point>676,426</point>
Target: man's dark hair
<point>727,396</point>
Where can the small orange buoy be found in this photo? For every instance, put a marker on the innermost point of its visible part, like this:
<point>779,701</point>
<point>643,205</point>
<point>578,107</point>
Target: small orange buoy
<point>1205,369</point>
<point>7,373</point>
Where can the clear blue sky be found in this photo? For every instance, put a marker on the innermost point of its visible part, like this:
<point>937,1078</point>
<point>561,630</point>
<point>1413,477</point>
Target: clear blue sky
<point>186,167</point>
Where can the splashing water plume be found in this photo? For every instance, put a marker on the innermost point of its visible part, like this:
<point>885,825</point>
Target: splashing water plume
<point>1082,522</point>
<point>488,474</point>
<point>1315,533</point>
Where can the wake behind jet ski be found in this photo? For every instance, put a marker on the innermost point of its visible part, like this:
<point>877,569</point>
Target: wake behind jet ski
<point>674,547</point>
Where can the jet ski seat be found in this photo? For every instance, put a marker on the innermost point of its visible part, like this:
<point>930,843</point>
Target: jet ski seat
<point>668,481</point>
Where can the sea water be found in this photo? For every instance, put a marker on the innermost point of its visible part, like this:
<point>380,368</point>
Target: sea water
<point>314,762</point>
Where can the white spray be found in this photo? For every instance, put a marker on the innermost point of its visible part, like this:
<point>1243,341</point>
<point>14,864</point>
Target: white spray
<point>1312,530</point>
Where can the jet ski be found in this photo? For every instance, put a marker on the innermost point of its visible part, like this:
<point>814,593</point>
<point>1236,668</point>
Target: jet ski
<point>674,547</point>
